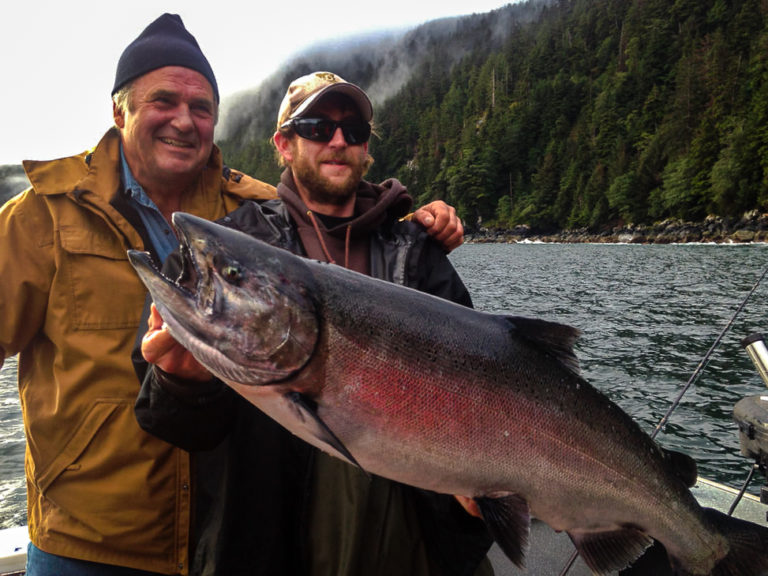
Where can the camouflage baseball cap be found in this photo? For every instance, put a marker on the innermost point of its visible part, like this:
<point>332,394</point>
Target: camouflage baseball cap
<point>307,90</point>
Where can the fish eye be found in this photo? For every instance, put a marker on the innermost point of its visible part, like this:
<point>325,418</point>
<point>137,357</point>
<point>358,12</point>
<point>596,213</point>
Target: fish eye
<point>232,273</point>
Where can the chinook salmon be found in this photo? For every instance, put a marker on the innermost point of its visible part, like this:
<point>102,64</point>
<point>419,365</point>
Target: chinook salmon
<point>441,397</point>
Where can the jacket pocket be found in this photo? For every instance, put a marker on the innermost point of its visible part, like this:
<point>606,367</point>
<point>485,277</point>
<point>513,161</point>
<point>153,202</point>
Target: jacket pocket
<point>101,289</point>
<point>93,421</point>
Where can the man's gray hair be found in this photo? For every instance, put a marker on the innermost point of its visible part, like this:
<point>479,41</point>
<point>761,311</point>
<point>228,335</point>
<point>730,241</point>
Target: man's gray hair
<point>122,98</point>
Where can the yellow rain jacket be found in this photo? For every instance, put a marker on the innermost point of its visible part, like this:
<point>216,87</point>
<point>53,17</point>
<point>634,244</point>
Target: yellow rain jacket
<point>98,487</point>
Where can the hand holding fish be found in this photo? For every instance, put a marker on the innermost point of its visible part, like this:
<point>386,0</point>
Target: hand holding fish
<point>160,348</point>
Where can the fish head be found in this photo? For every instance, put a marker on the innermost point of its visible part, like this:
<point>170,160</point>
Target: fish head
<point>234,304</point>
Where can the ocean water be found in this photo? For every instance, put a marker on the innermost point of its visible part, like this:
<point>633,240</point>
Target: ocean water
<point>13,488</point>
<point>648,315</point>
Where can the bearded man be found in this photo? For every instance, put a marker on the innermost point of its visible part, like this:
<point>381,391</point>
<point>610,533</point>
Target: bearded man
<point>287,507</point>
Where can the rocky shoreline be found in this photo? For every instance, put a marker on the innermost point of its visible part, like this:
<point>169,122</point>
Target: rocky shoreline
<point>751,227</point>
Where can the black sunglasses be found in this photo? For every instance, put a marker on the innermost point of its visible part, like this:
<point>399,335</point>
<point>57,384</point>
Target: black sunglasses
<point>322,129</point>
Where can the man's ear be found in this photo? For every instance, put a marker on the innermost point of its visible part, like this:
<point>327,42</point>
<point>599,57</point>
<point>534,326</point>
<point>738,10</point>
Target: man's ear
<point>283,145</point>
<point>118,116</point>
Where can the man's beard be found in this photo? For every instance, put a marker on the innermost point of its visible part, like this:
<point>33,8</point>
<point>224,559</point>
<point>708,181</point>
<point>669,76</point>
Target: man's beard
<point>324,191</point>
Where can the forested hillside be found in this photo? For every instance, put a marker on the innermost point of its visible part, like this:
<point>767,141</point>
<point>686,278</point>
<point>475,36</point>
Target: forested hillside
<point>567,114</point>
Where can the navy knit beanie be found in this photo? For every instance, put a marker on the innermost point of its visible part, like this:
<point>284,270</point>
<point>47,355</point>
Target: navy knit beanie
<point>165,42</point>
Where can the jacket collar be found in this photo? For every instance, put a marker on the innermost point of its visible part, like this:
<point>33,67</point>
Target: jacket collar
<point>88,170</point>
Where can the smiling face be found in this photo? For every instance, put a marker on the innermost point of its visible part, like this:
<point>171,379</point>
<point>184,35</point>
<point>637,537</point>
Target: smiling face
<point>167,128</point>
<point>327,174</point>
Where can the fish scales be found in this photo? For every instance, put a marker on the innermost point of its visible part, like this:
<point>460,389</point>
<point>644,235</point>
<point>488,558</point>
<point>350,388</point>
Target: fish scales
<point>444,390</point>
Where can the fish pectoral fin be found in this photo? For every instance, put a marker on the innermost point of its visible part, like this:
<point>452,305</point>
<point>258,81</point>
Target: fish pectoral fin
<point>611,550</point>
<point>509,522</point>
<point>307,410</point>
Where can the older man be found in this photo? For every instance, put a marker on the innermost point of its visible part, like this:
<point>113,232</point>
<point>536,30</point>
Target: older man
<point>104,497</point>
<point>277,505</point>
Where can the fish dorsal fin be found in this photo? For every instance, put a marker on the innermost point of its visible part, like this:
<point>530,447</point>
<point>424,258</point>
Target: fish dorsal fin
<point>509,523</point>
<point>557,339</point>
<point>609,551</point>
<point>307,410</point>
<point>682,466</point>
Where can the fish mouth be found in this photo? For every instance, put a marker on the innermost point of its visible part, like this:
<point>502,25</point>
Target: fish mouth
<point>196,282</point>
<point>169,295</point>
<point>193,278</point>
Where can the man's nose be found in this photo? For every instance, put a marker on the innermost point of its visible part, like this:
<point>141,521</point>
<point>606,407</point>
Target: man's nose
<point>182,118</point>
<point>338,138</point>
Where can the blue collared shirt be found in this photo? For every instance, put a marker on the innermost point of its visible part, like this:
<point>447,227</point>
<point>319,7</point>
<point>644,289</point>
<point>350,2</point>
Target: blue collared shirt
<point>160,232</point>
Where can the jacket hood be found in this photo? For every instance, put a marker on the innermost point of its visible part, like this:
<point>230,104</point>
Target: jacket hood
<point>374,205</point>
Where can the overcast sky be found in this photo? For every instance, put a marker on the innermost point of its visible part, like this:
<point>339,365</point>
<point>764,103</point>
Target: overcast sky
<point>58,58</point>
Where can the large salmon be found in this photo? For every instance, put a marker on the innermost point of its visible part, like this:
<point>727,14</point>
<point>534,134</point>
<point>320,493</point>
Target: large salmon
<point>439,396</point>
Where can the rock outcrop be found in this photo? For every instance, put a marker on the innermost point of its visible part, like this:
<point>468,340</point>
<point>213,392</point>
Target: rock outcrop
<point>751,227</point>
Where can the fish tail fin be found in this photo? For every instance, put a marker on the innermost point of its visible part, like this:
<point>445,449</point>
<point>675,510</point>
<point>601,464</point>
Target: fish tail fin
<point>748,554</point>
